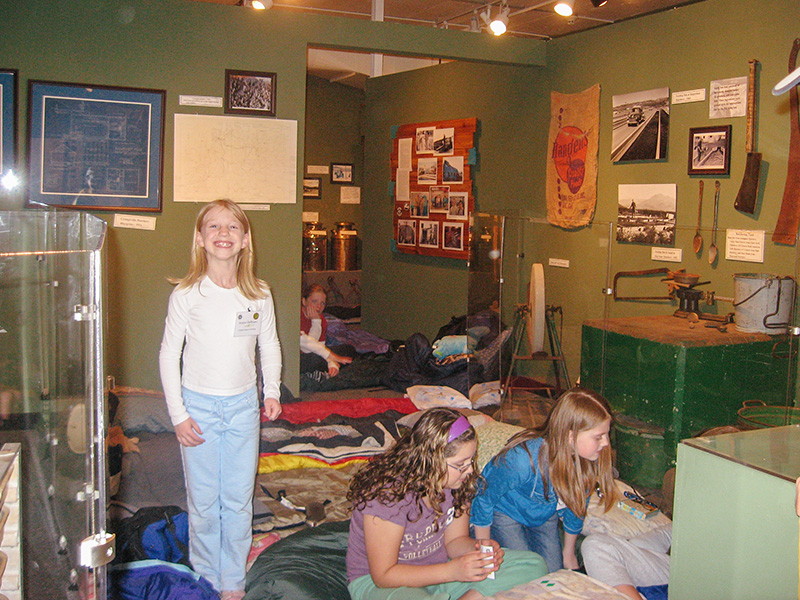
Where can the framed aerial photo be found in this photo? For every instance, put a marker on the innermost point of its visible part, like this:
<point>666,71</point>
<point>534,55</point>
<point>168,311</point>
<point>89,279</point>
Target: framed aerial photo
<point>9,79</point>
<point>250,93</point>
<point>710,150</point>
<point>95,147</point>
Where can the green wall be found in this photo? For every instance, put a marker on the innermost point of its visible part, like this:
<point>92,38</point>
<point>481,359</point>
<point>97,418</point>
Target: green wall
<point>419,293</point>
<point>184,47</point>
<point>334,116</point>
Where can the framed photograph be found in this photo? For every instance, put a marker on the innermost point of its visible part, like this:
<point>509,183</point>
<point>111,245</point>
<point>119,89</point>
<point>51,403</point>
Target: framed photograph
<point>459,204</point>
<point>341,173</point>
<point>440,198</point>
<point>250,93</point>
<point>641,126</point>
<point>312,188</point>
<point>419,204</point>
<point>453,236</point>
<point>9,79</point>
<point>406,232</point>
<point>429,234</point>
<point>710,150</point>
<point>427,171</point>
<point>95,147</point>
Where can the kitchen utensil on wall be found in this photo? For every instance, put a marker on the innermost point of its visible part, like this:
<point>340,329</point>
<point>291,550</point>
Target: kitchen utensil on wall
<point>712,250</point>
<point>748,191</point>
<point>789,216</point>
<point>697,242</point>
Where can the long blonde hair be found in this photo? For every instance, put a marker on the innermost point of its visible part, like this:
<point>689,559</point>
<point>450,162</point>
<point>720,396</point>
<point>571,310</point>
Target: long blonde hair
<point>416,465</point>
<point>249,285</point>
<point>573,477</point>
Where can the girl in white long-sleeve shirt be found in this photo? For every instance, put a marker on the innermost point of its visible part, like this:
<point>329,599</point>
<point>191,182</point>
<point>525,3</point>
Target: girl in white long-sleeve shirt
<point>316,356</point>
<point>217,315</point>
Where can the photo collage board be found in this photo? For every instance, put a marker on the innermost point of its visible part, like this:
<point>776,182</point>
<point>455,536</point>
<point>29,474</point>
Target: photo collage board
<point>433,198</point>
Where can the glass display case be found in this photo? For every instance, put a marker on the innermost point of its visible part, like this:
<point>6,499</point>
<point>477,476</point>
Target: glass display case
<point>735,534</point>
<point>52,397</point>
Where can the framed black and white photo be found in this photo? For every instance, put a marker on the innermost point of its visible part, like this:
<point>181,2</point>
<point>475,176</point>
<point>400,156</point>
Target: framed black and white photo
<point>406,232</point>
<point>710,150</point>
<point>312,188</point>
<point>429,234</point>
<point>250,93</point>
<point>8,121</point>
<point>341,173</point>
<point>95,147</point>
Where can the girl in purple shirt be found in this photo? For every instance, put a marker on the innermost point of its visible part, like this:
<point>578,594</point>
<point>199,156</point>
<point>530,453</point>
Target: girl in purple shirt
<point>410,524</point>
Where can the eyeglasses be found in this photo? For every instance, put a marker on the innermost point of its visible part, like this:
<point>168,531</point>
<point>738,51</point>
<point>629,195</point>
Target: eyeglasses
<point>463,469</point>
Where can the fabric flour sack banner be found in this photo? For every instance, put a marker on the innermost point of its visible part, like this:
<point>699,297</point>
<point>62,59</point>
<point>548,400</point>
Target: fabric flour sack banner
<point>572,158</point>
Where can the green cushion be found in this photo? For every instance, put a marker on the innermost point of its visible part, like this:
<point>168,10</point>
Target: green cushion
<point>307,565</point>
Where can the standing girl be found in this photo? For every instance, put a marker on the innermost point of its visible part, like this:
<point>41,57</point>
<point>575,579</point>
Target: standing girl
<point>546,474</point>
<point>217,313</point>
<point>409,532</point>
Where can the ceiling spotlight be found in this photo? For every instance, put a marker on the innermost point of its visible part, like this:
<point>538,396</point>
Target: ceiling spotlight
<point>598,3</point>
<point>564,7</point>
<point>500,23</point>
<point>257,4</point>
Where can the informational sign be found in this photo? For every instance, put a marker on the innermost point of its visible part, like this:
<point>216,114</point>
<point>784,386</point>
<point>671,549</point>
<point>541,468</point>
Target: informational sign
<point>746,245</point>
<point>727,98</point>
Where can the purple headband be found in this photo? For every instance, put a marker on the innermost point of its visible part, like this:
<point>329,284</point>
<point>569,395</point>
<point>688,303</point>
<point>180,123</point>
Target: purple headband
<point>459,426</point>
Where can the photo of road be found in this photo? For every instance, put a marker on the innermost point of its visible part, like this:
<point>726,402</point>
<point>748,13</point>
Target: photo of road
<point>641,126</point>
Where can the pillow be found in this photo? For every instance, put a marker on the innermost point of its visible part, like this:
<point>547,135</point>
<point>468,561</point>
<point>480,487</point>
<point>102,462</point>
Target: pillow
<point>616,520</point>
<point>491,438</point>
<point>454,344</point>
<point>142,410</point>
<point>431,396</point>
<point>307,565</point>
<point>475,418</point>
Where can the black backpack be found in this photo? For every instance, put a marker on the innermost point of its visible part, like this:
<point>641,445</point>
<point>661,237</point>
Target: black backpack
<point>154,532</point>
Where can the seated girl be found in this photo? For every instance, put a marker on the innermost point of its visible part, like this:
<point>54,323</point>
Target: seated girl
<point>409,531</point>
<point>316,359</point>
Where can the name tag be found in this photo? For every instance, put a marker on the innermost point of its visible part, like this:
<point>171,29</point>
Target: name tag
<point>246,323</point>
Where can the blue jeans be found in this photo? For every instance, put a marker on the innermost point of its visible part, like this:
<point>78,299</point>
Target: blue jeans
<point>220,477</point>
<point>544,539</point>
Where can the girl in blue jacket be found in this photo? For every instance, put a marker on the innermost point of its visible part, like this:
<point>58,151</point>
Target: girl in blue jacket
<point>546,474</point>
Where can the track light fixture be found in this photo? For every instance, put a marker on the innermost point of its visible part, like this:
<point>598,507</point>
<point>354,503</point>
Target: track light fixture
<point>598,3</point>
<point>500,23</point>
<point>564,7</point>
<point>257,4</point>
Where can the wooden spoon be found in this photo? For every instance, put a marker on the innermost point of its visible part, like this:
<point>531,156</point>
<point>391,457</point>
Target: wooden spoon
<point>712,250</point>
<point>697,242</point>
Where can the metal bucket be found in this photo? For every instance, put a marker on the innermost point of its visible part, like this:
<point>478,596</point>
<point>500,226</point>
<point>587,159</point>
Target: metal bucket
<point>641,456</point>
<point>754,414</point>
<point>345,243</point>
<point>315,247</point>
<point>763,302</point>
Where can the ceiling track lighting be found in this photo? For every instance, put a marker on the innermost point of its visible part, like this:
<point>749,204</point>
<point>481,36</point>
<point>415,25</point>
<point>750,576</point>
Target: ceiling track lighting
<point>257,4</point>
<point>598,3</point>
<point>499,24</point>
<point>564,7</point>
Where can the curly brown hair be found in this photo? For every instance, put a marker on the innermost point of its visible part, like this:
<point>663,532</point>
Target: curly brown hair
<point>416,465</point>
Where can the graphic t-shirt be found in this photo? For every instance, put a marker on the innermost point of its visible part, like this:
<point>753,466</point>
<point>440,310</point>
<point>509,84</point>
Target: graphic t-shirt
<point>422,544</point>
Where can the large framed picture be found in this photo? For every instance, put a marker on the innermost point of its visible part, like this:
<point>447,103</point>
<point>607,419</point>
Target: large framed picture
<point>710,150</point>
<point>95,147</point>
<point>8,120</point>
<point>250,93</point>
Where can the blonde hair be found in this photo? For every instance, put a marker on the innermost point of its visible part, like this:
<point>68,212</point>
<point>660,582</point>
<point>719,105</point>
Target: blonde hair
<point>249,285</point>
<point>416,465</point>
<point>572,476</point>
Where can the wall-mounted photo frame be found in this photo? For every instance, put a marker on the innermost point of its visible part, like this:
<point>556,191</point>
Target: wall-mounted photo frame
<point>710,150</point>
<point>341,173</point>
<point>312,188</point>
<point>95,147</point>
<point>250,93</point>
<point>9,81</point>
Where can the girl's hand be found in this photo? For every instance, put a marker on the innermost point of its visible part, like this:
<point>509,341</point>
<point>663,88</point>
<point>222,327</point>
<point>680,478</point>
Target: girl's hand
<point>499,553</point>
<point>272,408</point>
<point>311,312</point>
<point>339,359</point>
<point>188,433</point>
<point>472,566</point>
